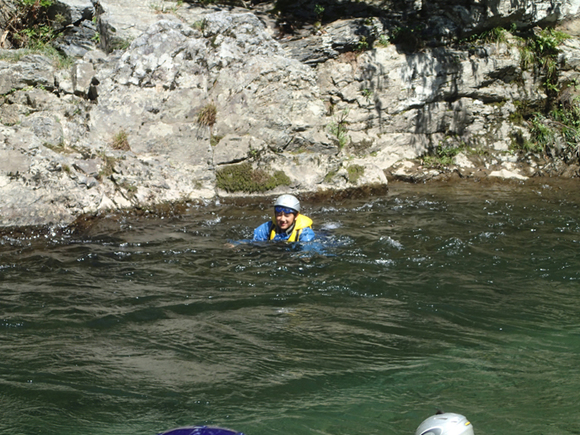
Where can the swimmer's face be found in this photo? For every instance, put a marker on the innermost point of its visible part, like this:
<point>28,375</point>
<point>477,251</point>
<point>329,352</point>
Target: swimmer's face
<point>284,220</point>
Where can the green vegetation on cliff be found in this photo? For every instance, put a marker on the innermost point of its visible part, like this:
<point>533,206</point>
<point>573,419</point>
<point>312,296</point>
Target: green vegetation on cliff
<point>554,128</point>
<point>554,124</point>
<point>32,28</point>
<point>244,178</point>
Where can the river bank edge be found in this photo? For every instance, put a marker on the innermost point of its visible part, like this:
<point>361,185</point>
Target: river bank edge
<point>448,179</point>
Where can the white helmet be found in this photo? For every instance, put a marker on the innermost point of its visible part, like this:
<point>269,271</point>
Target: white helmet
<point>289,201</point>
<point>447,423</point>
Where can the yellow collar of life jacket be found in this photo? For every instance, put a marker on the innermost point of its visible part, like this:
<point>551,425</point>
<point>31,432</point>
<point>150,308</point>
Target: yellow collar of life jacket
<point>300,223</point>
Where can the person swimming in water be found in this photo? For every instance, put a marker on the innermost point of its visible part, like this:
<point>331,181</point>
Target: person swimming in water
<point>287,224</point>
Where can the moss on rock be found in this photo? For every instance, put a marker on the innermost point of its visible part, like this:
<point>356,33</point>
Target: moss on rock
<point>355,172</point>
<point>244,178</point>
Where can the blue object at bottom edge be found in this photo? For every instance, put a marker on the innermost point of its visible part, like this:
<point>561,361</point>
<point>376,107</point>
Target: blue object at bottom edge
<point>201,430</point>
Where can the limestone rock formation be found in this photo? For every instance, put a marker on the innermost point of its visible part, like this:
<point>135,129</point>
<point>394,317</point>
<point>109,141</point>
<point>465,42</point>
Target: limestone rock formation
<point>184,103</point>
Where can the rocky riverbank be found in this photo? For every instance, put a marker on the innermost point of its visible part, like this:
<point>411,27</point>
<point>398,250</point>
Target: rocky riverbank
<point>169,102</point>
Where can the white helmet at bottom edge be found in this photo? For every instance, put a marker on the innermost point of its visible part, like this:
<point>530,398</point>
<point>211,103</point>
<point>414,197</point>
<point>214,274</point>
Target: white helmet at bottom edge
<point>447,423</point>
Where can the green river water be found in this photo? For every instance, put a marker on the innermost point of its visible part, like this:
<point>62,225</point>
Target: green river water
<point>464,298</point>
